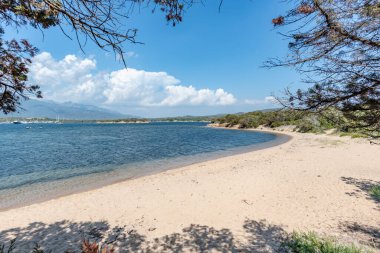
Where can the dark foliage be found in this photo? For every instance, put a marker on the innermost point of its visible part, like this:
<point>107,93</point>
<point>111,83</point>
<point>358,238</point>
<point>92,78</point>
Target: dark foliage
<point>14,86</point>
<point>336,45</point>
<point>312,243</point>
<point>304,121</point>
<point>102,21</point>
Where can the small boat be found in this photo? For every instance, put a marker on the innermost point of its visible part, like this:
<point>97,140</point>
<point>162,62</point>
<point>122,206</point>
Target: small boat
<point>16,122</point>
<point>57,121</point>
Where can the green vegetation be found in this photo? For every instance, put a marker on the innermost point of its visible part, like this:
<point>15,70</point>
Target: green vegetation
<point>312,243</point>
<point>303,121</point>
<point>374,191</point>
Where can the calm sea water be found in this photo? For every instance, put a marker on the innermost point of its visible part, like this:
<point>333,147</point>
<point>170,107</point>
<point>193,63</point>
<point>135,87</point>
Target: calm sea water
<point>49,159</point>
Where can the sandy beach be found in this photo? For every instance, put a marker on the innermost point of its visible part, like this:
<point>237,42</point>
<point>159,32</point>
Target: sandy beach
<point>240,203</point>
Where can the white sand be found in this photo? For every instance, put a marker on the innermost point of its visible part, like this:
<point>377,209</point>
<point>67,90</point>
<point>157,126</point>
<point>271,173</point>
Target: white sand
<point>242,202</point>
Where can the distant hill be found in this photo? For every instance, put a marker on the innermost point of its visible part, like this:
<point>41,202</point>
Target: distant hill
<point>50,109</point>
<point>191,118</point>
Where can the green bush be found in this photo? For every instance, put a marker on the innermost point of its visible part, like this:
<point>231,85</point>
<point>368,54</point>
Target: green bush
<point>305,122</point>
<point>232,119</point>
<point>248,123</point>
<point>312,243</point>
<point>305,127</point>
<point>374,191</point>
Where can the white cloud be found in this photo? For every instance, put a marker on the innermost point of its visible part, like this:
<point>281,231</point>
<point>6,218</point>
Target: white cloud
<point>69,79</point>
<point>271,100</point>
<point>131,86</point>
<point>267,100</point>
<point>144,88</point>
<point>77,80</point>
<point>178,95</point>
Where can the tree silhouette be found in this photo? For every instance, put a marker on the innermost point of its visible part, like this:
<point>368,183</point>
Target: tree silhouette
<point>336,46</point>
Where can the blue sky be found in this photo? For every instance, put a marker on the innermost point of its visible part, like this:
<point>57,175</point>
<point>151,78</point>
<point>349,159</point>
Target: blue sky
<point>210,63</point>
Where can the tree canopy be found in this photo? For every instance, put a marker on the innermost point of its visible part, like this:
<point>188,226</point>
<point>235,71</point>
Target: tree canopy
<point>14,60</point>
<point>336,45</point>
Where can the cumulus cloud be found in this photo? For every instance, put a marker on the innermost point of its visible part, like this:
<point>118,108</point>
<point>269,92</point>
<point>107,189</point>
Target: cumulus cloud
<point>266,100</point>
<point>178,94</point>
<point>131,86</point>
<point>77,80</point>
<point>69,79</point>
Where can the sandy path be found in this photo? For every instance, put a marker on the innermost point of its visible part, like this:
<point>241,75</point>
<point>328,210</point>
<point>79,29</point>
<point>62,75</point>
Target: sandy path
<point>243,202</point>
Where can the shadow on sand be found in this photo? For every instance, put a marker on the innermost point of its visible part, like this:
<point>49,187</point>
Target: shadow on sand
<point>67,236</point>
<point>367,235</point>
<point>363,185</point>
<point>364,233</point>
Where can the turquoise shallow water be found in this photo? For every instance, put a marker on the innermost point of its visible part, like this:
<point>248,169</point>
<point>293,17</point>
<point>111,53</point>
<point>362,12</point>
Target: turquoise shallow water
<point>47,160</point>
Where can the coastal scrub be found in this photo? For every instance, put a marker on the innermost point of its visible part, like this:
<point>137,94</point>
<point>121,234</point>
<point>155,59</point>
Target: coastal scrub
<point>310,242</point>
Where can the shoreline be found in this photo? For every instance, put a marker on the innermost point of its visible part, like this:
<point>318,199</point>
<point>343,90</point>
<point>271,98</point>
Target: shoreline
<point>310,183</point>
<point>190,160</point>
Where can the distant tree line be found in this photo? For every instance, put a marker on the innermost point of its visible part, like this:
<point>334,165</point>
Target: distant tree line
<point>300,121</point>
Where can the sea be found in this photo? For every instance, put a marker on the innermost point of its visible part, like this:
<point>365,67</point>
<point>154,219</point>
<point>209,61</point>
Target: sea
<point>44,161</point>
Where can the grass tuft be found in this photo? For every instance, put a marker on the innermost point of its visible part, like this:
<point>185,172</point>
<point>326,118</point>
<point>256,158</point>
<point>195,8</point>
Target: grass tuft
<point>374,191</point>
<point>311,243</point>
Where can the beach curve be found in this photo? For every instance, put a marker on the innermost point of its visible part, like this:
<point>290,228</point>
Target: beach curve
<point>311,182</point>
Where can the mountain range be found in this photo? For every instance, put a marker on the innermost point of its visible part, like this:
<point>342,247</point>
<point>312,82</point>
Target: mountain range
<point>49,109</point>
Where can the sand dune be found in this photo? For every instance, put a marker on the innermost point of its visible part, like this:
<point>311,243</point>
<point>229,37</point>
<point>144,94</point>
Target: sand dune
<point>241,203</point>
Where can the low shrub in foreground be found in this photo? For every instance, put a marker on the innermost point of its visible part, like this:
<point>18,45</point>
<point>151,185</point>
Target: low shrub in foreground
<point>312,243</point>
<point>374,191</point>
